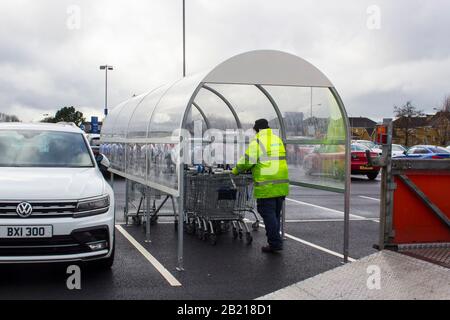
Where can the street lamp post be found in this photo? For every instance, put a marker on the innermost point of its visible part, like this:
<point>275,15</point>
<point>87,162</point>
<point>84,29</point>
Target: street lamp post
<point>184,38</point>
<point>106,68</point>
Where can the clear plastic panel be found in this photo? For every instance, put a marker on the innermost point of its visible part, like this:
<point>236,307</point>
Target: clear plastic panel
<point>118,156</point>
<point>322,165</point>
<point>219,115</point>
<point>249,103</point>
<point>136,160</point>
<point>110,120</point>
<point>195,121</point>
<point>309,113</point>
<point>314,121</point>
<point>169,112</point>
<point>162,165</point>
<point>123,118</point>
<point>141,117</point>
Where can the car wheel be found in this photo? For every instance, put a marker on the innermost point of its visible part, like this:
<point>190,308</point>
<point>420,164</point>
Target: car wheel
<point>372,175</point>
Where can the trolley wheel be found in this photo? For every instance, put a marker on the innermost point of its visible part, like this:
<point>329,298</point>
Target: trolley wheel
<point>255,226</point>
<point>224,227</point>
<point>125,215</point>
<point>248,238</point>
<point>136,221</point>
<point>190,228</point>
<point>153,220</point>
<point>212,238</point>
<point>200,233</point>
<point>204,235</point>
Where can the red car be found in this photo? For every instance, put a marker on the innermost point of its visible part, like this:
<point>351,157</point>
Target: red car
<point>329,160</point>
<point>360,164</point>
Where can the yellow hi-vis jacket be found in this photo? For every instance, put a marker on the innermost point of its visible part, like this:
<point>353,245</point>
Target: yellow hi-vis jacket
<point>266,158</point>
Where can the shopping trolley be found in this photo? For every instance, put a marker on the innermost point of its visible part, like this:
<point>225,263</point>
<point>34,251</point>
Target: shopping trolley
<point>214,203</point>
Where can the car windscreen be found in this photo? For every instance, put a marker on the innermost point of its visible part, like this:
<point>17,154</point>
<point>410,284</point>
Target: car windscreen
<point>396,147</point>
<point>359,147</point>
<point>34,148</point>
<point>368,144</point>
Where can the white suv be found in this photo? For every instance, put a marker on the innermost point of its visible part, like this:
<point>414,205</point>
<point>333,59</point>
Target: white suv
<point>55,204</point>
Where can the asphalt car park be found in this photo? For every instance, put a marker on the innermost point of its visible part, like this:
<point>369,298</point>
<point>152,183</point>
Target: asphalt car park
<point>229,270</point>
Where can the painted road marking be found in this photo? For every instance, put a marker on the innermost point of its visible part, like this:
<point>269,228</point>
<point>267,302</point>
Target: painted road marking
<point>332,210</point>
<point>319,220</point>
<point>370,198</point>
<point>315,246</point>
<point>161,269</point>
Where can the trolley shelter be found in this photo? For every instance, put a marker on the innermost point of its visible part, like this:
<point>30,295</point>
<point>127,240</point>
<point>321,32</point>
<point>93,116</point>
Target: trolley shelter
<point>155,139</point>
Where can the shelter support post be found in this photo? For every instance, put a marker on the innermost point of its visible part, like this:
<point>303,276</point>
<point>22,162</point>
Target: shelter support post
<point>127,200</point>
<point>347,188</point>
<point>347,203</point>
<point>147,214</point>
<point>180,261</point>
<point>387,189</point>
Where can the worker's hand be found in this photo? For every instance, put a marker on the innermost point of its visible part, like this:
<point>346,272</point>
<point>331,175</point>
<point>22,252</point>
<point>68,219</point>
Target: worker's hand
<point>235,171</point>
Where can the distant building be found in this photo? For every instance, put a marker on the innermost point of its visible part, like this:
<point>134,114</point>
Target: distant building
<point>362,128</point>
<point>429,129</point>
<point>441,122</point>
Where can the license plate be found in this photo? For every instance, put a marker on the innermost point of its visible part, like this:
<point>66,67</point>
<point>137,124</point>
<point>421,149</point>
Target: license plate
<point>365,168</point>
<point>25,232</point>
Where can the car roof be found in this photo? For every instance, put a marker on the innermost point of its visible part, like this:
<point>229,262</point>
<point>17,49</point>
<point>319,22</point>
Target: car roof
<point>63,127</point>
<point>424,146</point>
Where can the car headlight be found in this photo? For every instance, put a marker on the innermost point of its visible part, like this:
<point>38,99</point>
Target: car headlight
<point>92,207</point>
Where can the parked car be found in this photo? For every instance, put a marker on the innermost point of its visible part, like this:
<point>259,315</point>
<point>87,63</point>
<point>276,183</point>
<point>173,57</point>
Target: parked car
<point>55,204</point>
<point>371,145</point>
<point>398,150</point>
<point>360,164</point>
<point>325,160</point>
<point>427,152</point>
<point>94,142</point>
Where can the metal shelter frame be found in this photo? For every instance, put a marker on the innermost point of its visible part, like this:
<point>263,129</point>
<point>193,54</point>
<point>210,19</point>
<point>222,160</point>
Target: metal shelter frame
<point>256,68</point>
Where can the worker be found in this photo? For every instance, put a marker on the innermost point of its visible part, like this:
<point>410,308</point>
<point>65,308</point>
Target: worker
<point>266,158</point>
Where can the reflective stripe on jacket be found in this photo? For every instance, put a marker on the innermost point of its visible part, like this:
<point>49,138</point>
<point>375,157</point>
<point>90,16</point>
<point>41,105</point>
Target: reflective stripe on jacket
<point>266,158</point>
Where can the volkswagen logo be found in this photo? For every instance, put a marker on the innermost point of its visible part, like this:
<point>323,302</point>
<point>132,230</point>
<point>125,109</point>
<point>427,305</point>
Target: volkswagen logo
<point>24,209</point>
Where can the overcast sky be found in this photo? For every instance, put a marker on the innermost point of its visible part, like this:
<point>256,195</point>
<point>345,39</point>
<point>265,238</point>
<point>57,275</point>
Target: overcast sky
<point>377,53</point>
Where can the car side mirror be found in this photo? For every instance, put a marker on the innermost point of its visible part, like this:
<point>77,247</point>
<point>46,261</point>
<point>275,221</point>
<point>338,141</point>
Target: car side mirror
<point>103,162</point>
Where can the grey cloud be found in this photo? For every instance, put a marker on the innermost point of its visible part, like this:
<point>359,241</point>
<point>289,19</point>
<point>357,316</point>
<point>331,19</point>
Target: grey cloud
<point>44,65</point>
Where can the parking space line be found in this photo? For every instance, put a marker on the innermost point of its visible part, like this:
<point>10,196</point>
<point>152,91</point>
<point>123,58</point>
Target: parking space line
<point>370,198</point>
<point>320,220</point>
<point>161,269</point>
<point>331,210</point>
<point>315,246</point>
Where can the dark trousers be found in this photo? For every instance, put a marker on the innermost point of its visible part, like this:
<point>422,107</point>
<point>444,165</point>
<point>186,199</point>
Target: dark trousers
<point>270,211</point>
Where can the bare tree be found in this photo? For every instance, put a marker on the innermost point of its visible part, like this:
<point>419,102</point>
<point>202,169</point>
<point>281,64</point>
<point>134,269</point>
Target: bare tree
<point>444,121</point>
<point>446,104</point>
<point>8,118</point>
<point>405,114</point>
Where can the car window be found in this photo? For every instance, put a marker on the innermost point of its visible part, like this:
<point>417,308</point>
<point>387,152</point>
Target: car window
<point>35,148</point>
<point>95,142</point>
<point>439,150</point>
<point>358,147</point>
<point>420,151</point>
